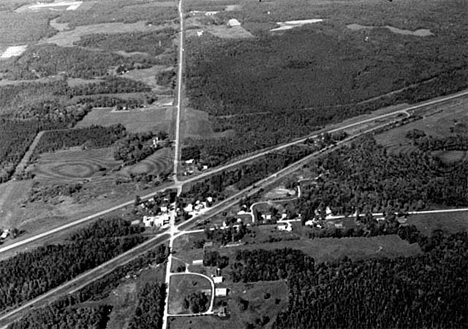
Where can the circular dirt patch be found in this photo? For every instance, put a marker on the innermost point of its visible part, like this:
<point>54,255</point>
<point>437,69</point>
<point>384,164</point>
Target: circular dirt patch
<point>75,170</point>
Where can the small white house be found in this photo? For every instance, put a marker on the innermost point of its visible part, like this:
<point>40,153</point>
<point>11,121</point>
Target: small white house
<point>221,292</point>
<point>5,234</point>
<point>188,208</point>
<point>209,199</point>
<point>197,262</point>
<point>217,279</point>
<point>190,161</point>
<point>285,227</point>
<point>163,209</point>
<point>211,13</point>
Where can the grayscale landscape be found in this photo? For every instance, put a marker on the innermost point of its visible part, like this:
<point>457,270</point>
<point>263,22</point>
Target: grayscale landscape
<point>233,164</point>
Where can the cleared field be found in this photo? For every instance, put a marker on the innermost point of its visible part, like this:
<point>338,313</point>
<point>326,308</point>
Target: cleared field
<point>66,38</point>
<point>73,164</point>
<point>181,286</point>
<point>147,76</point>
<point>236,318</point>
<point>11,195</point>
<point>196,124</point>
<point>138,120</point>
<point>54,6</point>
<point>158,163</point>
<point>23,28</point>
<point>437,123</point>
<point>449,222</point>
<point>329,249</point>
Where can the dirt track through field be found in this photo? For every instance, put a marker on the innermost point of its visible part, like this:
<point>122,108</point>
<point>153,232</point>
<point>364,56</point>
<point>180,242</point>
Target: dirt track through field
<point>27,156</point>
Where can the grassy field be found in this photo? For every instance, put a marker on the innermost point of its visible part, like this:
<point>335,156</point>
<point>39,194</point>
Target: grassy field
<point>449,222</point>
<point>158,163</point>
<point>74,164</point>
<point>329,249</point>
<point>437,123</point>
<point>67,38</point>
<point>181,286</point>
<point>236,318</point>
<point>196,124</point>
<point>138,120</point>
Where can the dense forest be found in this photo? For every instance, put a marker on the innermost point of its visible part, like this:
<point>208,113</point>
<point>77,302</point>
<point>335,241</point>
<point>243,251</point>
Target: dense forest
<point>334,73</point>
<point>106,228</point>
<point>425,291</point>
<point>64,311</point>
<point>30,274</point>
<point>89,137</point>
<point>149,311</point>
<point>153,43</point>
<point>76,318</point>
<point>364,177</point>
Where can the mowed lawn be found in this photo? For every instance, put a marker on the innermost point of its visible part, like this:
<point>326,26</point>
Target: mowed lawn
<point>258,306</point>
<point>182,286</point>
<point>449,222</point>
<point>138,120</point>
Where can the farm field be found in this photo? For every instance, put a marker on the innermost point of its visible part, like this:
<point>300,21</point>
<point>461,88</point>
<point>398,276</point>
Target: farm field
<point>197,125</point>
<point>158,163</point>
<point>138,120</point>
<point>236,318</point>
<point>71,165</point>
<point>449,222</point>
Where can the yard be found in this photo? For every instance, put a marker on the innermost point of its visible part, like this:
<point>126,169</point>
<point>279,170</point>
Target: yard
<point>181,287</point>
<point>449,222</point>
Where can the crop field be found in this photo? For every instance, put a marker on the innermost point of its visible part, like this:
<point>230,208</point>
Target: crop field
<point>183,285</point>
<point>158,163</point>
<point>449,222</point>
<point>438,123</point>
<point>138,120</point>
<point>258,306</point>
<point>73,164</point>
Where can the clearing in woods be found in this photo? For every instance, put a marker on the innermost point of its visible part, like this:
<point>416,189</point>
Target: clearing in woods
<point>437,123</point>
<point>138,120</point>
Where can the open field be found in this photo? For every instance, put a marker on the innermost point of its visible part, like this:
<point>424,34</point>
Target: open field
<point>53,6</point>
<point>23,28</point>
<point>196,124</point>
<point>67,38</point>
<point>437,123</point>
<point>236,318</point>
<point>138,120</point>
<point>449,222</point>
<point>158,163</point>
<point>329,249</point>
<point>147,76</point>
<point>74,164</point>
<point>108,11</point>
<point>183,285</point>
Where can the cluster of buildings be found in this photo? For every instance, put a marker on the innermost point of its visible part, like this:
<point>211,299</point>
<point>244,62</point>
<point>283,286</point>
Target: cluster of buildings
<point>198,206</point>
<point>191,165</point>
